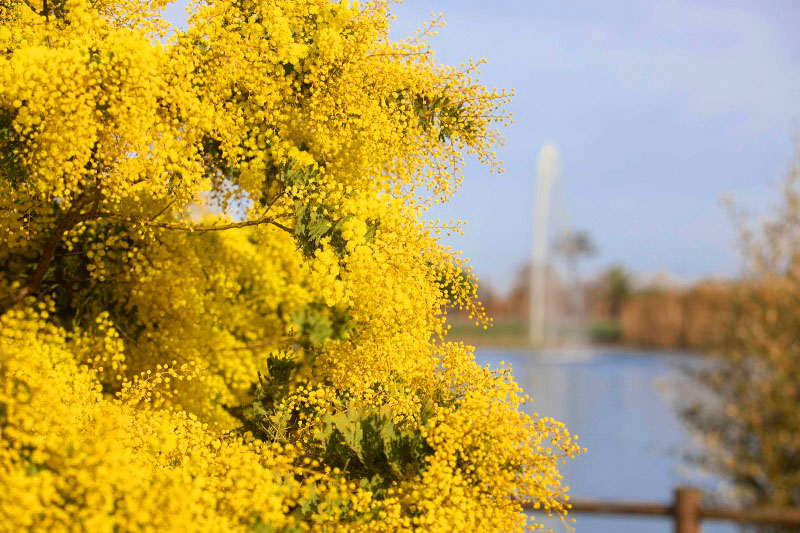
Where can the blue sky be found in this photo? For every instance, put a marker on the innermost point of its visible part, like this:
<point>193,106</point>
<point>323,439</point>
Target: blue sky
<point>659,109</point>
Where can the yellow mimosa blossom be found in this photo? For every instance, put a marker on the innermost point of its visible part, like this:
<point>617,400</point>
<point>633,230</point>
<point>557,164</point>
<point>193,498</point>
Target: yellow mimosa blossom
<point>222,307</point>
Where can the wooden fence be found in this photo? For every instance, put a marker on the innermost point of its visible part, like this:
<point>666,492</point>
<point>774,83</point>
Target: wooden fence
<point>687,512</point>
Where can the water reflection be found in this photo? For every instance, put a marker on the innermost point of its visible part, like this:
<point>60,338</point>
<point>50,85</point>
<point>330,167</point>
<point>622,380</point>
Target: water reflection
<point>615,402</point>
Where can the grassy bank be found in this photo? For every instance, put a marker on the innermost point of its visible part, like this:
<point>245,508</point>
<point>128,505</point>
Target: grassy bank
<point>513,332</point>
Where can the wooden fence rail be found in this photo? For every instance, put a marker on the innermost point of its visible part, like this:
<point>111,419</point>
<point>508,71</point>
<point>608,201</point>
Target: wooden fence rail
<point>687,511</point>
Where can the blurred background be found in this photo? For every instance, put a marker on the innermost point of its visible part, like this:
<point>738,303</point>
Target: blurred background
<point>659,322</point>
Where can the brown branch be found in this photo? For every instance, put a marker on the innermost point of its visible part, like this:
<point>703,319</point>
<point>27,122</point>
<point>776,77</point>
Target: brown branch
<point>400,54</point>
<point>27,3</point>
<point>281,226</point>
<point>71,218</point>
<point>257,345</point>
<point>169,204</point>
<point>200,228</point>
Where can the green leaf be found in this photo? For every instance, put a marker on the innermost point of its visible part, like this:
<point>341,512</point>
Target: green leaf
<point>317,229</point>
<point>321,329</point>
<point>262,527</point>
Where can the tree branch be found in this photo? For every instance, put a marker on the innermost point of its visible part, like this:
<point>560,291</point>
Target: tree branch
<point>200,228</point>
<point>71,218</point>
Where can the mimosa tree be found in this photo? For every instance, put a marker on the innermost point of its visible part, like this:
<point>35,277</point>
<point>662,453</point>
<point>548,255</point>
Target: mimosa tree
<point>221,304</point>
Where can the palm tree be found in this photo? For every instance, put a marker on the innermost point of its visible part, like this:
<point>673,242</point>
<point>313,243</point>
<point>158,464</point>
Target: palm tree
<point>573,245</point>
<point>616,289</point>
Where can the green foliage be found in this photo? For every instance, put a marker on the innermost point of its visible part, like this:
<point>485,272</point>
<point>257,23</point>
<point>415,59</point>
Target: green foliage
<point>10,167</point>
<point>616,289</point>
<point>369,445</point>
<point>318,323</point>
<point>605,332</point>
<point>314,223</point>
<point>438,113</point>
<point>261,416</point>
<point>365,443</point>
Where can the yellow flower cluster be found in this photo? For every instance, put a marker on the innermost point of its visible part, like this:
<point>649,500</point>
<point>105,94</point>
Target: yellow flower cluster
<point>221,306</point>
<point>74,458</point>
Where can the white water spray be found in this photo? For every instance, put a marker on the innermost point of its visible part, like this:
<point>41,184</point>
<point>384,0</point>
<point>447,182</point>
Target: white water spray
<point>548,169</point>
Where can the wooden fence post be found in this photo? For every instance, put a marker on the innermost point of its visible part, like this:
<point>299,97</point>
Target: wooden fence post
<point>687,510</point>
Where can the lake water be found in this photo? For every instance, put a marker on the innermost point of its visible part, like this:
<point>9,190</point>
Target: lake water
<point>617,403</point>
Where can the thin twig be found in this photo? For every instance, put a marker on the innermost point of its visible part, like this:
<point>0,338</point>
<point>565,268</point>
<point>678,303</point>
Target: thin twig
<point>199,228</point>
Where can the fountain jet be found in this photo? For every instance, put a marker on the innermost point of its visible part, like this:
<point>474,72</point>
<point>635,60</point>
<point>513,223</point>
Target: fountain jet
<point>548,169</point>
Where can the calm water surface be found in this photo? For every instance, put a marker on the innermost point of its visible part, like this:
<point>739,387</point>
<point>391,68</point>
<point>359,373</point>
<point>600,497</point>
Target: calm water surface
<point>618,404</point>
